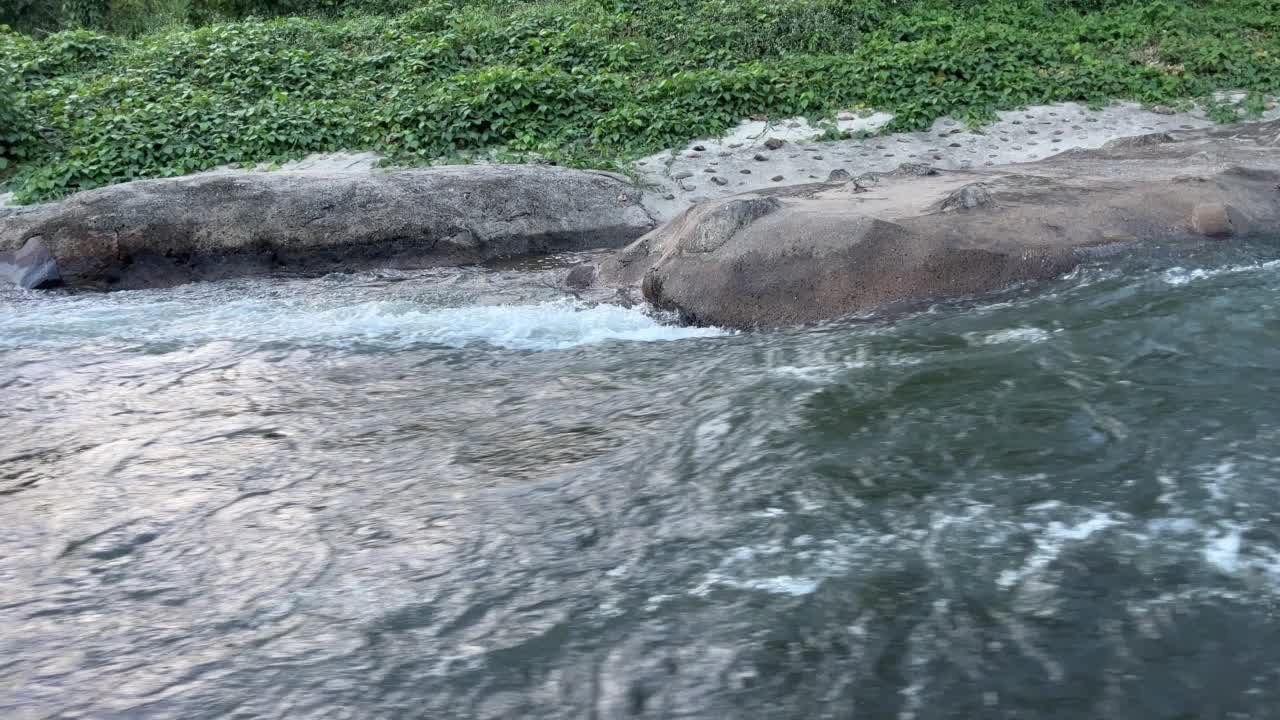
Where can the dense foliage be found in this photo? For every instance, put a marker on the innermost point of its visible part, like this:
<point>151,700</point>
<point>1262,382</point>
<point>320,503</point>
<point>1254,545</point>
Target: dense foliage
<point>585,81</point>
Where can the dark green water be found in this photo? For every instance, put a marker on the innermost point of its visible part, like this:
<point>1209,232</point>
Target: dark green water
<point>453,495</point>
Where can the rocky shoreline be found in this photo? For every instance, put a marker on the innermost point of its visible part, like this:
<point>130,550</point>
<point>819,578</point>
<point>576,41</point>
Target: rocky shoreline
<point>768,257</point>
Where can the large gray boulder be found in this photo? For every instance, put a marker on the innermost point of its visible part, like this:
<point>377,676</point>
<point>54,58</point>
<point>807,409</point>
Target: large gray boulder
<point>163,232</point>
<point>813,252</point>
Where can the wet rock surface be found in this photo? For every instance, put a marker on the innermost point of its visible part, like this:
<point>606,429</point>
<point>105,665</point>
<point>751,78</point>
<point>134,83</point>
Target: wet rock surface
<point>30,267</point>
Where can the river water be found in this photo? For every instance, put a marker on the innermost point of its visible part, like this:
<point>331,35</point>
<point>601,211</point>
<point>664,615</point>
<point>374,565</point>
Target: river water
<point>457,494</point>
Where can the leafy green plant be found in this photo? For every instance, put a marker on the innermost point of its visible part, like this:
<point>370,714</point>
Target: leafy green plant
<point>579,82</point>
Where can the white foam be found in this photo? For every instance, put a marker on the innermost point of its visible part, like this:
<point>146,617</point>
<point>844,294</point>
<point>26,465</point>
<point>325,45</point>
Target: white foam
<point>1223,552</point>
<point>1177,276</point>
<point>1018,335</point>
<point>1054,539</point>
<point>542,326</point>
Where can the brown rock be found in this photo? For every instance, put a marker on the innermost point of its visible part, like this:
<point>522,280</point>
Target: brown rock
<point>1212,219</point>
<point>805,253</point>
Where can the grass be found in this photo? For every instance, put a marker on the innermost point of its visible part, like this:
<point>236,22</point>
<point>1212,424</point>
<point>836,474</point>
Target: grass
<point>586,82</point>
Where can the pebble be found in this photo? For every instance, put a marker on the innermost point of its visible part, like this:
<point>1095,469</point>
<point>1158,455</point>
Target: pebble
<point>776,178</point>
<point>817,157</point>
<point>719,180</point>
<point>774,143</point>
<point>955,145</point>
<point>682,175</point>
<point>761,157</point>
<point>699,148</point>
<point>745,171</point>
<point>709,170</point>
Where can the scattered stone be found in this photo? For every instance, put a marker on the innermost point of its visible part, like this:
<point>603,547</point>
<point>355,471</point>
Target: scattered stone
<point>793,124</point>
<point>1058,132</point>
<point>776,178</point>
<point>709,170</point>
<point>1033,132</point>
<point>745,171</point>
<point>735,145</point>
<point>1212,219</point>
<point>719,180</point>
<point>668,196</point>
<point>917,169</point>
<point>774,143</point>
<point>817,157</point>
<point>582,275</point>
<point>699,148</point>
<point>970,196</point>
<point>682,175</point>
<point>761,157</point>
<point>955,145</point>
<point>839,175</point>
<point>1139,141</point>
<point>1162,110</point>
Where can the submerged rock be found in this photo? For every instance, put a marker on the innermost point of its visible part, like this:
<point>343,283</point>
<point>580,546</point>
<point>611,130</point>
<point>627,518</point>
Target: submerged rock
<point>164,232</point>
<point>812,252</point>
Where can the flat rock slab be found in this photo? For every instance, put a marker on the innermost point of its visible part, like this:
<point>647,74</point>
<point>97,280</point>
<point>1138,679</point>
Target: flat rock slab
<point>806,253</point>
<point>156,233</point>
<point>750,157</point>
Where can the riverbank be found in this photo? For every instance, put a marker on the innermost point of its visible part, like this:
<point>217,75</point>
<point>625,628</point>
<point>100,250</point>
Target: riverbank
<point>586,84</point>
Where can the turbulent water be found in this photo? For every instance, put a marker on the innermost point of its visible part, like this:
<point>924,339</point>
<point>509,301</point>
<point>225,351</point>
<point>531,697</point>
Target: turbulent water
<point>456,494</point>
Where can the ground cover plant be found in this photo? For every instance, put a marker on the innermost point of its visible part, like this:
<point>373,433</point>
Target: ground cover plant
<point>581,82</point>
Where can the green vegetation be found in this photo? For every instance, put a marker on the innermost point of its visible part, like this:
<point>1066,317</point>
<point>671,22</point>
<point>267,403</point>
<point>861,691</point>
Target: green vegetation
<point>586,82</point>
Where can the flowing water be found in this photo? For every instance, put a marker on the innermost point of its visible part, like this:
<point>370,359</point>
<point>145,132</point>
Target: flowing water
<point>457,494</point>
